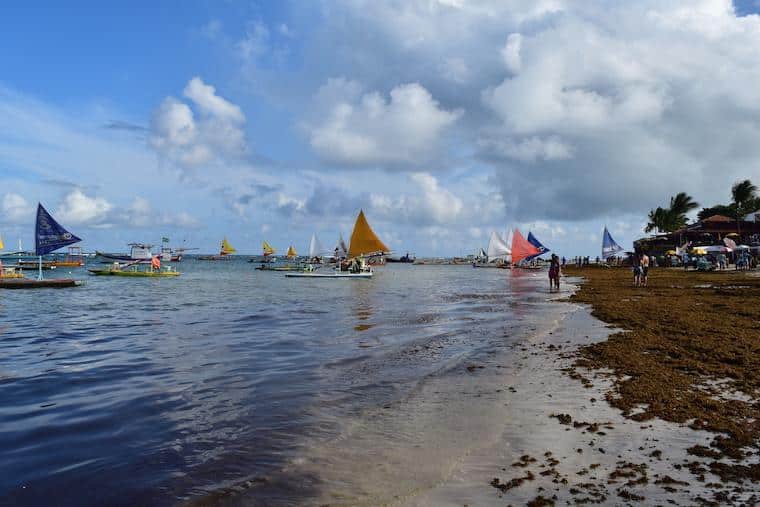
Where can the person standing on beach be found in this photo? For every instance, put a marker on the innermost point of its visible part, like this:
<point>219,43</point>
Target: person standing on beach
<point>644,270</point>
<point>554,270</point>
<point>636,272</point>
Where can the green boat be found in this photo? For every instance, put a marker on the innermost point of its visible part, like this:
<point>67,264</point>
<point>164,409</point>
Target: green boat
<point>134,270</point>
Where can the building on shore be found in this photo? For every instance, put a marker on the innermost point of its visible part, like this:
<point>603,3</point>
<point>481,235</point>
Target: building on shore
<point>710,231</point>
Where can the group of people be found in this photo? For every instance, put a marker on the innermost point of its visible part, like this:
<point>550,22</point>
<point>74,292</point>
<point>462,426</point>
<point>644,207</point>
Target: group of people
<point>641,270</point>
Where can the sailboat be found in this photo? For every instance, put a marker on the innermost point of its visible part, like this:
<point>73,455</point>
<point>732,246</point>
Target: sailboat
<point>138,269</point>
<point>522,248</point>
<point>541,249</point>
<point>7,272</point>
<point>316,250</point>
<point>291,254</point>
<point>49,237</point>
<point>609,247</point>
<point>225,253</point>
<point>497,254</point>
<point>364,245</point>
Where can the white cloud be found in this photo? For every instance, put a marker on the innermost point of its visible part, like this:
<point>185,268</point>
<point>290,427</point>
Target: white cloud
<point>77,208</point>
<point>529,149</point>
<point>367,129</point>
<point>189,141</point>
<point>511,52</point>
<point>15,209</point>
<point>428,203</point>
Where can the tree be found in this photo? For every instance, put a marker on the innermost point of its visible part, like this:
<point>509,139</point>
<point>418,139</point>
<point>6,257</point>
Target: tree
<point>718,209</point>
<point>745,201</point>
<point>674,217</point>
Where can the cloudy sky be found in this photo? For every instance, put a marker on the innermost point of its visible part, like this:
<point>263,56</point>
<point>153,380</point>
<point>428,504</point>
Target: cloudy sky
<point>442,119</point>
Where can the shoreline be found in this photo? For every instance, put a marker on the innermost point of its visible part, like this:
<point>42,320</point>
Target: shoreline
<point>526,425</point>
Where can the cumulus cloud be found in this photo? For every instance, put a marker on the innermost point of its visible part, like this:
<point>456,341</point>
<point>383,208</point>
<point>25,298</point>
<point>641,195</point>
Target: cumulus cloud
<point>355,128</point>
<point>15,209</point>
<point>77,208</point>
<point>211,130</point>
<point>427,203</point>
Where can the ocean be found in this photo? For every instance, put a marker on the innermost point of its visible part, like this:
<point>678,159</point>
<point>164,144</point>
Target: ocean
<point>230,385</point>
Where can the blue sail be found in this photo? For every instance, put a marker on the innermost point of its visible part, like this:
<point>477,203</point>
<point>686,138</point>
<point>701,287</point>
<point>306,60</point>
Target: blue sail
<point>609,247</point>
<point>49,234</point>
<point>536,243</point>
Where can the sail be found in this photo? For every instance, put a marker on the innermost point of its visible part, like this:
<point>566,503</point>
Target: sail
<point>497,248</point>
<point>536,243</point>
<point>1,243</point>
<point>341,247</point>
<point>315,247</point>
<point>49,234</point>
<point>364,240</point>
<point>521,247</point>
<point>268,249</point>
<point>292,252</point>
<point>227,248</point>
<point>609,247</point>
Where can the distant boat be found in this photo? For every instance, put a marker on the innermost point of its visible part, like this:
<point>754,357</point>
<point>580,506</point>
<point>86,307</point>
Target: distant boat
<point>522,248</point>
<point>225,251</point>
<point>316,249</point>
<point>364,245</point>
<point>291,254</point>
<point>49,236</point>
<point>497,255</point>
<point>609,247</point>
<point>403,259</point>
<point>137,252</point>
<point>268,249</point>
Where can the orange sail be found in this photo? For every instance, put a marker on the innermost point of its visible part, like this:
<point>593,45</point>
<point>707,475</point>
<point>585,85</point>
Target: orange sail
<point>522,248</point>
<point>364,241</point>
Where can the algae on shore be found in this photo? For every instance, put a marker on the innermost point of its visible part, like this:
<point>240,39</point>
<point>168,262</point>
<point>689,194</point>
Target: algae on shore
<point>688,352</point>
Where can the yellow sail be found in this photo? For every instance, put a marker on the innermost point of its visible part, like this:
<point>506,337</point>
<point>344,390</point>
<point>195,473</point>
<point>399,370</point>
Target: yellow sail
<point>227,248</point>
<point>364,240</point>
<point>1,243</point>
<point>292,252</point>
<point>268,250</point>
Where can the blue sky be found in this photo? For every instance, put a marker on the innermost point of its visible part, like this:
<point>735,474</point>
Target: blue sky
<point>443,120</point>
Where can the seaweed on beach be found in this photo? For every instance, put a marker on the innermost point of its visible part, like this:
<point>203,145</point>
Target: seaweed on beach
<point>688,351</point>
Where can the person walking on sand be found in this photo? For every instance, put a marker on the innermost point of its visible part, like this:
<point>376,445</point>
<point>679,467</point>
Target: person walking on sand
<point>636,272</point>
<point>554,271</point>
<point>644,270</point>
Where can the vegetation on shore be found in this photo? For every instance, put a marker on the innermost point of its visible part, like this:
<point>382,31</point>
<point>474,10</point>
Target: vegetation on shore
<point>688,352</point>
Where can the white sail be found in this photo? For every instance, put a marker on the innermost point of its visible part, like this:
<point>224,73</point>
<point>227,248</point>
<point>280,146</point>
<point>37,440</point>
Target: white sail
<point>315,247</point>
<point>497,248</point>
<point>341,247</point>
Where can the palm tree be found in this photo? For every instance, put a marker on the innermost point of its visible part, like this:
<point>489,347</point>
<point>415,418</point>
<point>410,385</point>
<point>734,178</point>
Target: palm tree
<point>674,217</point>
<point>744,199</point>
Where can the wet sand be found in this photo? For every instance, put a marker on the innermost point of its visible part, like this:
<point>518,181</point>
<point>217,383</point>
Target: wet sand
<point>550,420</point>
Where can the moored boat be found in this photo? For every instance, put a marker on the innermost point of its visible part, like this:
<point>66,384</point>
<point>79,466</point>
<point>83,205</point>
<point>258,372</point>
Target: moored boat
<point>225,253</point>
<point>137,270</point>
<point>137,252</point>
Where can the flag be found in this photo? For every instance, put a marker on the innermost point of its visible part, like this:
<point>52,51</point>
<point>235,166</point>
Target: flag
<point>49,234</point>
<point>164,240</point>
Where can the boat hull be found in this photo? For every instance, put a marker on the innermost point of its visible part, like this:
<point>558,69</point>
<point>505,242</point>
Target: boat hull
<point>28,283</point>
<point>134,274</point>
<point>329,275</point>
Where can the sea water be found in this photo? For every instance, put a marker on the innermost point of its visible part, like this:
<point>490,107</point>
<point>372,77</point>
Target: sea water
<point>160,391</point>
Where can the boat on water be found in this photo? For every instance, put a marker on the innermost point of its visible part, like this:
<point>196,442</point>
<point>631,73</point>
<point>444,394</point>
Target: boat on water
<point>533,261</point>
<point>137,270</point>
<point>49,237</point>
<point>522,249</point>
<point>609,247</point>
<point>364,245</point>
<point>74,258</point>
<point>498,254</point>
<point>406,259</point>
<point>137,252</point>
<point>267,255</point>
<point>225,253</point>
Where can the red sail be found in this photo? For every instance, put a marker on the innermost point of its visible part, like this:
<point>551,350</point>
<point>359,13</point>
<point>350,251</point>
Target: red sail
<point>522,248</point>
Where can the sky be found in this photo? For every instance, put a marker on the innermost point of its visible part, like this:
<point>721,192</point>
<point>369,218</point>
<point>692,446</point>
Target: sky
<point>443,120</point>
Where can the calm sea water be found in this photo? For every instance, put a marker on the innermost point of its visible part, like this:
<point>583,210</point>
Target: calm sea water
<point>145,391</point>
